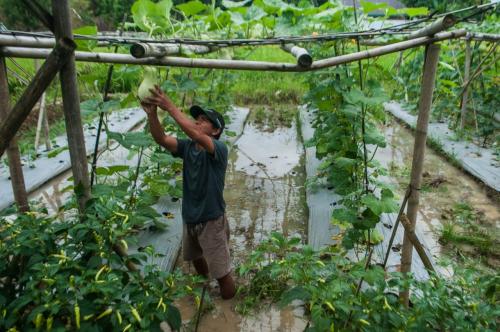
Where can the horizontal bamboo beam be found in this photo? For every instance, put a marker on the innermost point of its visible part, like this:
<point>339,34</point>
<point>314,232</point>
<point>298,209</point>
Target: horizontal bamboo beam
<point>18,52</point>
<point>382,50</point>
<point>145,50</point>
<point>304,59</point>
<point>26,41</point>
<point>483,36</point>
<point>438,25</point>
<point>13,121</point>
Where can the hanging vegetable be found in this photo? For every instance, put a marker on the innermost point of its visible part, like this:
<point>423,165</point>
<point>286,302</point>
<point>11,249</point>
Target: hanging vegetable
<point>148,83</point>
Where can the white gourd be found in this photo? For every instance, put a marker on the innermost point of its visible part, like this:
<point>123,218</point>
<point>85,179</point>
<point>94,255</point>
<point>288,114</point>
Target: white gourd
<point>148,83</point>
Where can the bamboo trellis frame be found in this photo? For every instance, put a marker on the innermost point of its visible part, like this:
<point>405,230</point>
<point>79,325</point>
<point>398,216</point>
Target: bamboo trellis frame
<point>31,53</point>
<point>61,25</point>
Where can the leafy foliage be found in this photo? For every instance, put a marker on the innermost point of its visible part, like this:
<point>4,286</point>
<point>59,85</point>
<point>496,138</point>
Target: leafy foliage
<point>67,275</point>
<point>326,282</point>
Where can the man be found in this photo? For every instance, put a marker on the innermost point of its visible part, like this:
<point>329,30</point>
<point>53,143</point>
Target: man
<point>205,227</point>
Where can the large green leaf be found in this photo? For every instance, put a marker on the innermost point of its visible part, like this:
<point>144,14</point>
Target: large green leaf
<point>237,18</point>
<point>152,17</point>
<point>346,163</point>
<point>184,83</point>
<point>234,4</point>
<point>411,12</point>
<point>192,7</point>
<point>133,139</point>
<point>386,203</point>
<point>369,7</point>
<point>89,106</point>
<point>271,7</point>
<point>295,293</point>
<point>356,96</point>
<point>374,136</point>
<point>254,13</point>
<point>345,215</point>
<point>86,45</point>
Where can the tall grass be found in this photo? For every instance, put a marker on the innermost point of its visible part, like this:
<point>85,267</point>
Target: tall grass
<point>267,87</point>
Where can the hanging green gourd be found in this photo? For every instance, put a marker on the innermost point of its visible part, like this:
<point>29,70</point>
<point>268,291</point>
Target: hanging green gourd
<point>148,83</point>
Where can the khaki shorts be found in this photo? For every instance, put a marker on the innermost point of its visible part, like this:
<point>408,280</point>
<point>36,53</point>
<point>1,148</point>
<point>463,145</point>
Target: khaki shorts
<point>211,241</point>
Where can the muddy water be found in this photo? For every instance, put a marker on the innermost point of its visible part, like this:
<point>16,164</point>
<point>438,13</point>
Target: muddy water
<point>444,186</point>
<point>264,193</point>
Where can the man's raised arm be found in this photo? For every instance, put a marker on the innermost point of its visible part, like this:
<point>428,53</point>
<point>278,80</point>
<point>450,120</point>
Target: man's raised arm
<point>189,127</point>
<point>167,141</point>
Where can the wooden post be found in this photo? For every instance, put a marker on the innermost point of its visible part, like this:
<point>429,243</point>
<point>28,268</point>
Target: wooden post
<point>71,106</point>
<point>465,95</point>
<point>15,168</point>
<point>428,78</point>
<point>11,124</point>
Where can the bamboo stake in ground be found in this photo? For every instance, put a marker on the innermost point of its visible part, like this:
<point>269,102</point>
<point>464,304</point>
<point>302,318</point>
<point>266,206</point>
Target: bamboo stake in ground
<point>71,106</point>
<point>417,244</point>
<point>42,117</point>
<point>15,167</point>
<point>42,79</point>
<point>465,96</point>
<point>429,75</point>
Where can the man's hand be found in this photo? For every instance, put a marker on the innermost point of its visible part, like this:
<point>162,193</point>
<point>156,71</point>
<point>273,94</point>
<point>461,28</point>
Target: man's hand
<point>148,108</point>
<point>159,99</point>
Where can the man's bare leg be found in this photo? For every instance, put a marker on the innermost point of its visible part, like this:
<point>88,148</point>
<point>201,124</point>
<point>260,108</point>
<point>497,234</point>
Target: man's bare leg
<point>227,287</point>
<point>201,266</point>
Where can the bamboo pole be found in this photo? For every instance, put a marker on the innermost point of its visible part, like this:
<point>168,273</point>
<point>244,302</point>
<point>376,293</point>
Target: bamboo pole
<point>410,232</point>
<point>40,123</point>
<point>428,78</point>
<point>491,37</point>
<point>465,96</point>
<point>13,155</point>
<point>304,59</point>
<point>41,117</point>
<point>71,106</point>
<point>438,25</point>
<point>11,124</point>
<point>236,64</point>
<point>105,98</point>
<point>46,130</point>
<point>145,50</point>
<point>431,29</point>
<point>27,41</point>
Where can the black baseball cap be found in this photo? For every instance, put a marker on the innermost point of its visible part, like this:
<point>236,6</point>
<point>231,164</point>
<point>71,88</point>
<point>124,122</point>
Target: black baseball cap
<point>215,117</point>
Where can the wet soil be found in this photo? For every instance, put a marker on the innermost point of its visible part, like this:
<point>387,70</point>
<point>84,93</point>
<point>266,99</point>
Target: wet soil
<point>264,192</point>
<point>445,190</point>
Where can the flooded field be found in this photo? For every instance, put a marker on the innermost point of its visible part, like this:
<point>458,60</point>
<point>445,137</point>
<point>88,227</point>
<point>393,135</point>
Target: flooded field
<point>265,192</point>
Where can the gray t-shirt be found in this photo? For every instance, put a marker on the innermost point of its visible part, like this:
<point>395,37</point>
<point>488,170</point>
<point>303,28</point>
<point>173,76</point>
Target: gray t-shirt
<point>203,181</point>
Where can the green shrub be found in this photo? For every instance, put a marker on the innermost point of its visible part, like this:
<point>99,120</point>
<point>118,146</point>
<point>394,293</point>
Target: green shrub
<point>326,281</point>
